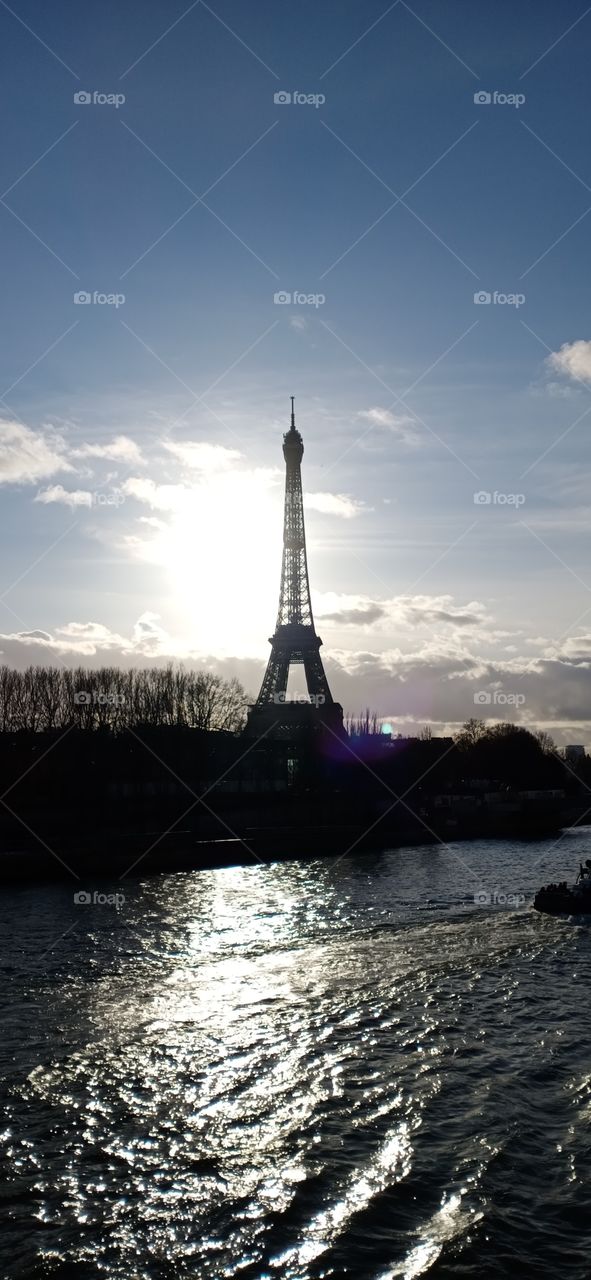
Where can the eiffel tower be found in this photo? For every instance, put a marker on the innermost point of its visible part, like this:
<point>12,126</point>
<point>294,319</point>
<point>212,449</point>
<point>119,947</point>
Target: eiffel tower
<point>295,639</point>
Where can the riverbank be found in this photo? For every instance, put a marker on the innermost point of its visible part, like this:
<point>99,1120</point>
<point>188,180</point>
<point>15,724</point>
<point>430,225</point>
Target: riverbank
<point>118,853</point>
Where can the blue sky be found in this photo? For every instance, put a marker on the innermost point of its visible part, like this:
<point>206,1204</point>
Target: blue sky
<point>140,454</point>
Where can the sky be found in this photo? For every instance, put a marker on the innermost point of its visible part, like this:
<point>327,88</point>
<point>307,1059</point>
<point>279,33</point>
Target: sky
<point>383,210</point>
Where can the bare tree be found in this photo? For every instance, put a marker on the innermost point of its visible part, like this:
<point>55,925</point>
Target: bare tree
<point>470,733</point>
<point>546,742</point>
<point>49,698</point>
<point>367,722</point>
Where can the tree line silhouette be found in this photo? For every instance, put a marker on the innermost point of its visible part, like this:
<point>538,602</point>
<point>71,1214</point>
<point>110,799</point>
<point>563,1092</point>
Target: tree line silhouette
<point>42,699</point>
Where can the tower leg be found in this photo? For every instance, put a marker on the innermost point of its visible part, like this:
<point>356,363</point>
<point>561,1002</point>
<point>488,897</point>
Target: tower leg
<point>275,678</point>
<point>315,677</point>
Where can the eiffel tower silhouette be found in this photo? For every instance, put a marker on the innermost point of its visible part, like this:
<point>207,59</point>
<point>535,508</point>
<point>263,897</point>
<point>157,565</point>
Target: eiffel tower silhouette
<point>295,639</point>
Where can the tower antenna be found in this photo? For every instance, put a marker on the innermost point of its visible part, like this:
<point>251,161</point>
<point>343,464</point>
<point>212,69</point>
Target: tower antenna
<point>292,414</point>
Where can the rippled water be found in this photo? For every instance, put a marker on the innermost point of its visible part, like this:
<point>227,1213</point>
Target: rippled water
<point>322,1069</point>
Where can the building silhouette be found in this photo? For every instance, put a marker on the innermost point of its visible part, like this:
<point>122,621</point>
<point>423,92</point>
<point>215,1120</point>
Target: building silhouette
<point>295,640</point>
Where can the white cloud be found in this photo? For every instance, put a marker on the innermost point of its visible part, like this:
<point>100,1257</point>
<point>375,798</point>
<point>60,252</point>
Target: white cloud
<point>161,497</point>
<point>575,649</point>
<point>120,449</point>
<point>69,497</point>
<point>378,417</point>
<point>409,613</point>
<point>559,390</point>
<point>573,360</point>
<point>362,615</point>
<point>93,642</point>
<point>401,425</point>
<point>87,630</point>
<point>27,456</point>
<point>149,637</point>
<point>333,504</point>
<point>437,610</point>
<point>197,455</point>
<point>153,522</point>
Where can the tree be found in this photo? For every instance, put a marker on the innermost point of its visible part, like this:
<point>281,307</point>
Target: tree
<point>367,722</point>
<point>470,733</point>
<point>43,699</point>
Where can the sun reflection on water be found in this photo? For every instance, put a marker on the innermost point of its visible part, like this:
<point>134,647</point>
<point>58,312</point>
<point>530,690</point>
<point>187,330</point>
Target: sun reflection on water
<point>267,1072</point>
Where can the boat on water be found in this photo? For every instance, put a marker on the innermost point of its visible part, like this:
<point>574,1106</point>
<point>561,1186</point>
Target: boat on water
<point>563,899</point>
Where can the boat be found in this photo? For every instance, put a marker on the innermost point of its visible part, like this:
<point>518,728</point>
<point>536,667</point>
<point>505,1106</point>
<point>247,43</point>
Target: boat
<point>567,900</point>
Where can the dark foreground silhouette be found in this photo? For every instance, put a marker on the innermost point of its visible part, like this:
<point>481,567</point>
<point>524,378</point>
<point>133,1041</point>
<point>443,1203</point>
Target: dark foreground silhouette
<point>104,799</point>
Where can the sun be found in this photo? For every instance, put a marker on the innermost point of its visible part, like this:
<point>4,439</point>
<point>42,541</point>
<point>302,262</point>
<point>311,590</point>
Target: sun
<point>219,543</point>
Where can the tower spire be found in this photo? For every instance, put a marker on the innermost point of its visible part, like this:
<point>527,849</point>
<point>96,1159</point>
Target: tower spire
<point>292,414</point>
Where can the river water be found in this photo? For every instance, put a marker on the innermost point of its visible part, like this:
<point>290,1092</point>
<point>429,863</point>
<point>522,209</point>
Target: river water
<point>316,1069</point>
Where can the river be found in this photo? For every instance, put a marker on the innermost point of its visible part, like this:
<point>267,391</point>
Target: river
<point>309,1069</point>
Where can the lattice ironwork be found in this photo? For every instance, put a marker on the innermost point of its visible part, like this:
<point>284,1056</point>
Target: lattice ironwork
<point>295,639</point>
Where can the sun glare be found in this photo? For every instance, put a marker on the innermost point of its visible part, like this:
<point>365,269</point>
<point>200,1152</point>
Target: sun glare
<point>219,545</point>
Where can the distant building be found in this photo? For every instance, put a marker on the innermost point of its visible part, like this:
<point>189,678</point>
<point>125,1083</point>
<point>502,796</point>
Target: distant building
<point>373,741</point>
<point>573,753</point>
<point>548,793</point>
